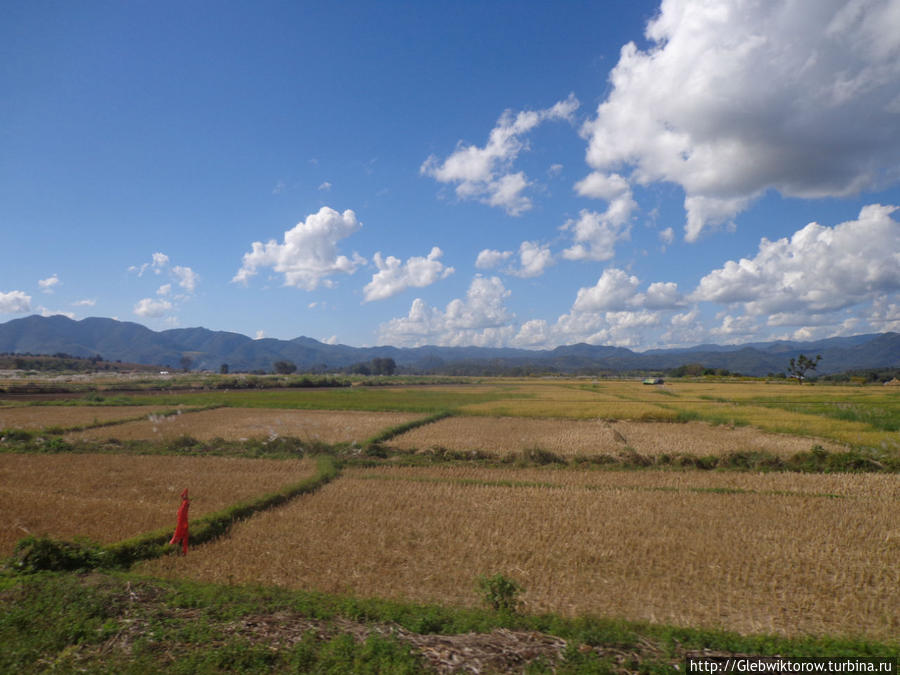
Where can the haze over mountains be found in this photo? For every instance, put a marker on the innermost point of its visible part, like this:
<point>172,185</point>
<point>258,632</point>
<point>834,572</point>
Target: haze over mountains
<point>132,342</point>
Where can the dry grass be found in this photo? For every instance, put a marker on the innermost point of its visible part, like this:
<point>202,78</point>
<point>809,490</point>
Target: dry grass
<point>40,417</point>
<point>571,437</point>
<point>243,423</point>
<point>112,497</point>
<point>670,551</point>
<point>754,403</point>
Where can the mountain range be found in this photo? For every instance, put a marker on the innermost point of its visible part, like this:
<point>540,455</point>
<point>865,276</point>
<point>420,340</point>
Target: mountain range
<point>207,350</point>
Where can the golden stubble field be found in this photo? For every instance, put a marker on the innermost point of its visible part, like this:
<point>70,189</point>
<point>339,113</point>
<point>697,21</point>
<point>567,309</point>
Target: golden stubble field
<point>502,435</point>
<point>243,423</point>
<point>42,416</point>
<point>111,497</point>
<point>777,553</point>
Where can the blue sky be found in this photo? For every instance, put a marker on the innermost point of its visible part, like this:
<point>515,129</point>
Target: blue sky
<point>503,173</point>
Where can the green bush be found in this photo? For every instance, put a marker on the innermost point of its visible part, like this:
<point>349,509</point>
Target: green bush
<point>36,554</point>
<point>500,593</point>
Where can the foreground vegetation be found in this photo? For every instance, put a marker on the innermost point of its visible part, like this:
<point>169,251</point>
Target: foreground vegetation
<point>101,622</point>
<point>386,551</point>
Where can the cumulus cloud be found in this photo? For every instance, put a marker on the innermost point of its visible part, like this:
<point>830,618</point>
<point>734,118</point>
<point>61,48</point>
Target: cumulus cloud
<point>534,258</point>
<point>15,302</point>
<point>165,289</point>
<point>736,327</point>
<point>614,290</point>
<point>394,276</point>
<point>480,319</point>
<point>734,98</point>
<point>663,295</point>
<point>309,253</point>
<point>149,308</point>
<point>47,285</point>
<point>485,173</point>
<point>489,258</point>
<point>818,270</point>
<point>595,235</point>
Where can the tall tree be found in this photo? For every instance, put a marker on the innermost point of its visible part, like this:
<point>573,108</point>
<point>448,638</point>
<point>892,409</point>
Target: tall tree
<point>284,367</point>
<point>797,368</point>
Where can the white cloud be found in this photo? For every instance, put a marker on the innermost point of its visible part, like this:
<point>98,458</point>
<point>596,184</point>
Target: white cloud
<point>595,235</point>
<point>394,276</point>
<point>47,285</point>
<point>736,327</point>
<point>615,290</point>
<point>734,98</point>
<point>150,308</point>
<point>623,328</point>
<point>43,311</point>
<point>485,174</point>
<point>534,333</point>
<point>489,258</point>
<point>534,258</point>
<point>15,302</point>
<point>309,254</point>
<point>157,262</point>
<point>333,340</point>
<point>663,295</point>
<point>260,334</point>
<point>884,315</point>
<point>325,186</point>
<point>481,319</point>
<point>165,289</point>
<point>187,278</point>
<point>87,302</point>
<point>819,270</point>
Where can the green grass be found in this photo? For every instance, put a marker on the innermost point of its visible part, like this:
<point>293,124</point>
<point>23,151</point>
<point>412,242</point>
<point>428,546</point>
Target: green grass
<point>882,415</point>
<point>129,624</point>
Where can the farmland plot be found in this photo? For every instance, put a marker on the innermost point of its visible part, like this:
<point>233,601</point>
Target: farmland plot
<point>242,423</point>
<point>40,416</point>
<point>111,497</point>
<point>572,437</point>
<point>775,554</point>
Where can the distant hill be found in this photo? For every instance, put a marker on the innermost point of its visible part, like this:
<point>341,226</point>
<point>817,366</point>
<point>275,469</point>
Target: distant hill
<point>132,342</point>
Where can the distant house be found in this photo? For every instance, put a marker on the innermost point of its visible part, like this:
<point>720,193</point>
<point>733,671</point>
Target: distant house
<point>892,383</point>
<point>654,380</point>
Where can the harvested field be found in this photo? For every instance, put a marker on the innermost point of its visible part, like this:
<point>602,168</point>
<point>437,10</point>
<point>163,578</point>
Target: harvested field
<point>753,561</point>
<point>845,485</point>
<point>242,423</point>
<point>111,497</point>
<point>504,435</point>
<point>42,416</point>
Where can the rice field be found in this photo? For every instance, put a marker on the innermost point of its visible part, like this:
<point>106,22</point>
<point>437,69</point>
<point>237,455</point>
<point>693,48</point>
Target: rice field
<point>42,417</point>
<point>792,554</point>
<point>784,554</point>
<point>242,423</point>
<point>111,497</point>
<point>567,438</point>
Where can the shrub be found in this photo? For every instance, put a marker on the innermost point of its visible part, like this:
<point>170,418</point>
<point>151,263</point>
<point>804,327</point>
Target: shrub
<point>500,593</point>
